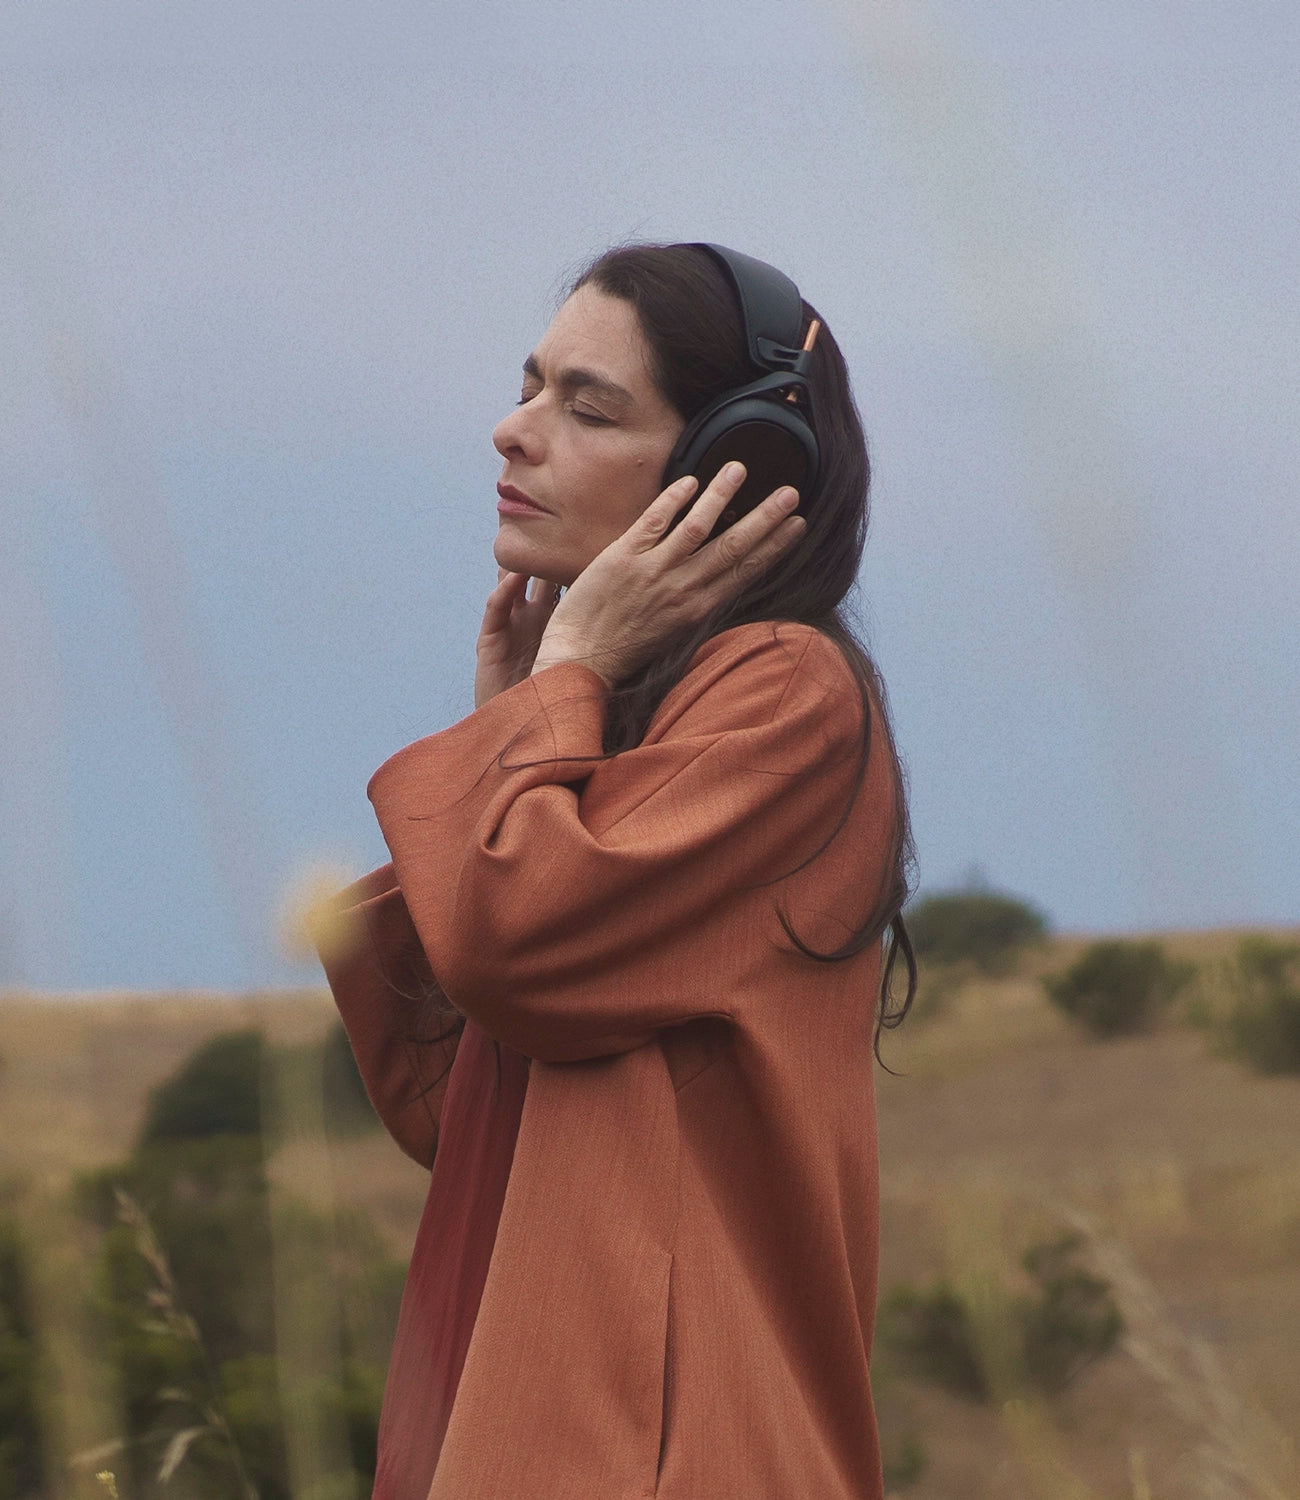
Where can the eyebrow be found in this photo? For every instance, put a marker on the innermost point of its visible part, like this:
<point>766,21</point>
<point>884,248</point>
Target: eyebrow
<point>579,379</point>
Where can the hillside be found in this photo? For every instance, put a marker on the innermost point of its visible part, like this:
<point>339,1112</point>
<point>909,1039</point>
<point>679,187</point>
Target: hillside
<point>1002,1126</point>
<point>1182,1170</point>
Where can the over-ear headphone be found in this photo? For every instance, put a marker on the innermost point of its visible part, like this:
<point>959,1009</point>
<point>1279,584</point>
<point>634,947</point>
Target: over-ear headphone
<point>768,423</point>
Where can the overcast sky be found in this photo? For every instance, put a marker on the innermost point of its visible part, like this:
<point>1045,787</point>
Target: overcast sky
<point>268,271</point>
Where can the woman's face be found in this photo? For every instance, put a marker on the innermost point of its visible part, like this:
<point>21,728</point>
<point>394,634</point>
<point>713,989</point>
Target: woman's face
<point>586,446</point>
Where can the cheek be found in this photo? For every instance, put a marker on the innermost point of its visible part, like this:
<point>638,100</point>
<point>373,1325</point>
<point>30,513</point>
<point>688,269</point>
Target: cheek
<point>613,491</point>
<point>623,491</point>
<point>645,472</point>
<point>641,488</point>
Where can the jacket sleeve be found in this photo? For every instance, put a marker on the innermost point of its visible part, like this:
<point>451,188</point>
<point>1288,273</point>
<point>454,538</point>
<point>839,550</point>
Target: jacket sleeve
<point>375,966</point>
<point>575,905</point>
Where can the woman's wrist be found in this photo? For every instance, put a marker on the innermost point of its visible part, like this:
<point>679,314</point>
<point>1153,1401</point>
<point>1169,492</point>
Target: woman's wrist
<point>557,655</point>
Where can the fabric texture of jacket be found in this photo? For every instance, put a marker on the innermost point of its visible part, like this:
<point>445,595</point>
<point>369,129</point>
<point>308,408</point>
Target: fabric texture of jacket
<point>681,1295</point>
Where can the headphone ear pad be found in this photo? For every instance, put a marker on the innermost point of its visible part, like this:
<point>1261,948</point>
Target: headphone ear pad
<point>771,438</point>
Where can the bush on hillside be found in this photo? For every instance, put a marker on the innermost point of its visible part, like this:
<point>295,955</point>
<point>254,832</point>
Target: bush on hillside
<point>984,928</point>
<point>185,1307</point>
<point>217,1092</point>
<point>1118,988</point>
<point>191,1252</point>
<point>1264,1025</point>
<point>207,1203</point>
<point>22,1470</point>
<point>347,1106</point>
<point>930,1334</point>
<point>222,1088</point>
<point>1069,1320</point>
<point>905,1466</point>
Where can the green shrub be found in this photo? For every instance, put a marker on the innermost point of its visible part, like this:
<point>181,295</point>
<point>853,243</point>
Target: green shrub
<point>217,1092</point>
<point>906,1466</point>
<point>1118,988</point>
<point>1264,1025</point>
<point>929,1333</point>
<point>1068,1321</point>
<point>22,1471</point>
<point>252,1404</point>
<point>220,1089</point>
<point>185,1285</point>
<point>1072,1321</point>
<point>984,928</point>
<point>208,1204</point>
<point>348,1110</point>
<point>185,1302</point>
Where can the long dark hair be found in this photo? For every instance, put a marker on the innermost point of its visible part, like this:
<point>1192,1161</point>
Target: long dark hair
<point>691,320</point>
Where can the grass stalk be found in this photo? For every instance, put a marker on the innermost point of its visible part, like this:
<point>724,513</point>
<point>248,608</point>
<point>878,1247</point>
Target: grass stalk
<point>1239,1454</point>
<point>307,1319</point>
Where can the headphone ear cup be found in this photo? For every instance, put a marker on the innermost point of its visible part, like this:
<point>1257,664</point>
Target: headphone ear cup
<point>771,438</point>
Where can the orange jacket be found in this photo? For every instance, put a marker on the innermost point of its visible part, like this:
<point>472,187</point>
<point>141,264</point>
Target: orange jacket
<point>681,1295</point>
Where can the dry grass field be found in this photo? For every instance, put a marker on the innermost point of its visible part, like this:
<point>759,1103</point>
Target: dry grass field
<point>1182,1170</point>
<point>1004,1125</point>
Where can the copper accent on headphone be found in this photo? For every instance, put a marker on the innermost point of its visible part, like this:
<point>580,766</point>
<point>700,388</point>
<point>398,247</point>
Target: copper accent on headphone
<point>814,328</point>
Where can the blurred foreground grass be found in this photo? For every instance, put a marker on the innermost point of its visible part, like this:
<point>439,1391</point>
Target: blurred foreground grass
<point>1177,1167</point>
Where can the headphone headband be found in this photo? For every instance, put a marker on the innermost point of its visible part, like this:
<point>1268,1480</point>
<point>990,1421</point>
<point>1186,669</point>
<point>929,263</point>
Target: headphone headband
<point>770,305</point>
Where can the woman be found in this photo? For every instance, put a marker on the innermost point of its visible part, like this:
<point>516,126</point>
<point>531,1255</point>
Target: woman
<point>647,880</point>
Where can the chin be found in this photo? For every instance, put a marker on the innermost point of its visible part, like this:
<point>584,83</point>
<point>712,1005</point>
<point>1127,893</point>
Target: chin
<point>514,554</point>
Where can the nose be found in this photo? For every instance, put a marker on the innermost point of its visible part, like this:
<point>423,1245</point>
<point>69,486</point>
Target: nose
<point>518,434</point>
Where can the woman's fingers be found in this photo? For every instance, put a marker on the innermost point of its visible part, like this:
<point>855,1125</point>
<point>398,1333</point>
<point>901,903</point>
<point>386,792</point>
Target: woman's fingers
<point>697,524</point>
<point>746,566</point>
<point>657,517</point>
<point>692,535</point>
<point>543,591</point>
<point>518,605</point>
<point>748,546</point>
<point>728,562</point>
<point>750,536</point>
<point>655,578</point>
<point>515,618</point>
<point>519,588</point>
<point>501,601</point>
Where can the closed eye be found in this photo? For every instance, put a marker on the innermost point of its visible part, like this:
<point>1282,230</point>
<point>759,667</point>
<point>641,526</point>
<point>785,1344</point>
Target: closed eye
<point>590,418</point>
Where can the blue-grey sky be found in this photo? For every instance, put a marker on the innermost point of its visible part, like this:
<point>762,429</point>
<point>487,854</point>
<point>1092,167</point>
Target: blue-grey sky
<point>267,275</point>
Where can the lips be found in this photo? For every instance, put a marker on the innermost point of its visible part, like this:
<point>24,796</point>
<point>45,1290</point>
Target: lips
<point>513,502</point>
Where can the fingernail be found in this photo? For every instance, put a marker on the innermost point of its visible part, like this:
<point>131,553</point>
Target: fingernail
<point>788,499</point>
<point>735,472</point>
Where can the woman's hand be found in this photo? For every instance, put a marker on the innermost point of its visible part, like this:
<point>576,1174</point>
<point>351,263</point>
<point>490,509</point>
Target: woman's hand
<point>512,627</point>
<point>652,581</point>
